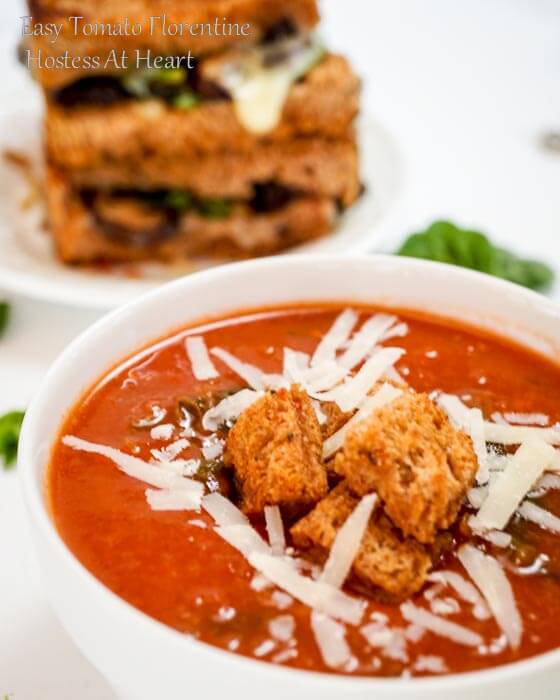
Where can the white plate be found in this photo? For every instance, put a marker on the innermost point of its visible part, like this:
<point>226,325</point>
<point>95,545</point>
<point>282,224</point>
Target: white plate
<point>29,266</point>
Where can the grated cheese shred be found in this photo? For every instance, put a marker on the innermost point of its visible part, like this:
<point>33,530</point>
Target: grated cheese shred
<point>275,529</point>
<point>347,543</point>
<point>202,366</point>
<point>494,585</point>
<point>509,489</point>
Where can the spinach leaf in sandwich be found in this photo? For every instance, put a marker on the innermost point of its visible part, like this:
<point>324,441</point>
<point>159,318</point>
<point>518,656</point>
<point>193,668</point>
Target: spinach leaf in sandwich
<point>446,242</point>
<point>216,208</point>
<point>210,208</point>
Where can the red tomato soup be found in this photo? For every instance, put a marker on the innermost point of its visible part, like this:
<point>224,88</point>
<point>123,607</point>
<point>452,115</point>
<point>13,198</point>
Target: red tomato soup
<point>419,586</point>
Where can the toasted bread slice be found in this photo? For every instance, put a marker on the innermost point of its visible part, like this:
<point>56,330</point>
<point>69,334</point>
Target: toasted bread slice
<point>134,234</point>
<point>266,19</point>
<point>324,104</point>
<point>308,166</point>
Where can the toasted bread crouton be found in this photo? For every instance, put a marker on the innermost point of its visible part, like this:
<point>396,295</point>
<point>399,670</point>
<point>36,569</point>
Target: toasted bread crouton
<point>420,466</point>
<point>335,418</point>
<point>385,559</point>
<point>275,450</point>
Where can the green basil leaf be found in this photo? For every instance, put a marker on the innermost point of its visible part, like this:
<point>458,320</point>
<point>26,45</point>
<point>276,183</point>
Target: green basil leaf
<point>10,427</point>
<point>4,317</point>
<point>443,241</point>
<point>186,101</point>
<point>181,200</point>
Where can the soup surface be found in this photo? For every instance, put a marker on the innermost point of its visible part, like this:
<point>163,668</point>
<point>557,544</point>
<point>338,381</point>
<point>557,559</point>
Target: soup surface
<point>174,566</point>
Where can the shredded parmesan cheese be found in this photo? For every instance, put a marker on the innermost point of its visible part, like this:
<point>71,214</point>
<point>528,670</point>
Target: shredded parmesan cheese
<point>347,543</point>
<point>317,595</point>
<point>476,432</point>
<point>496,537</point>
<point>329,377</point>
<point>265,648</point>
<point>516,434</point>
<point>183,467</point>
<point>471,421</point>
<point>540,516</point>
<point>172,500</point>
<point>397,331</point>
<point>212,447</point>
<point>322,417</point>
<point>168,454</point>
<point>202,366</point>
<point>281,600</point>
<point>331,640</point>
<point>162,432</point>
<point>230,409</point>
<point>464,590</point>
<point>432,664</point>
<point>444,606</point>
<point>386,394</point>
<point>365,340</point>
<point>254,376</point>
<point>244,538</point>
<point>493,583</point>
<point>394,375</point>
<point>477,496</point>
<point>350,395</point>
<point>137,468</point>
<point>520,418</point>
<point>222,510</point>
<point>295,366</point>
<point>437,625</point>
<point>275,529</point>
<point>548,482</point>
<point>235,529</point>
<point>282,627</point>
<point>508,490</point>
<point>335,338</point>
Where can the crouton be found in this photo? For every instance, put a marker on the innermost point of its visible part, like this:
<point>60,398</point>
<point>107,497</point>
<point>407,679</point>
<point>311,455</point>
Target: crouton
<point>385,559</point>
<point>420,466</point>
<point>275,450</point>
<point>336,418</point>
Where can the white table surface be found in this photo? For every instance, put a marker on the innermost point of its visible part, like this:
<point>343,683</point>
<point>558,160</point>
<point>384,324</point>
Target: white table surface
<point>466,89</point>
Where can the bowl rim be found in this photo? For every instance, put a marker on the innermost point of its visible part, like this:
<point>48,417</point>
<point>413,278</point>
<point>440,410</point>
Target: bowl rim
<point>38,511</point>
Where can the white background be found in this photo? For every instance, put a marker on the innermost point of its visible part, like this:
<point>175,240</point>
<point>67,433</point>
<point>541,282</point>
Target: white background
<point>467,90</point>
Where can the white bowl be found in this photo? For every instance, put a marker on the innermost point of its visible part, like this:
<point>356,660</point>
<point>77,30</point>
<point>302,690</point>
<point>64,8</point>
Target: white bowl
<point>144,659</point>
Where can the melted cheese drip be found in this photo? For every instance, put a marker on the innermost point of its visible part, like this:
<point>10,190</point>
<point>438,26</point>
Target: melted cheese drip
<point>259,101</point>
<point>259,93</point>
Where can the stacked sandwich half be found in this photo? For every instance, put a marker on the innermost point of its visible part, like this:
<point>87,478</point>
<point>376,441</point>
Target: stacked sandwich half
<point>231,146</point>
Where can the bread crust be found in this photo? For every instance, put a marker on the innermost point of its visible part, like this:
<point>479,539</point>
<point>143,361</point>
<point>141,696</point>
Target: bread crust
<point>325,104</point>
<point>306,166</point>
<point>410,454</point>
<point>275,450</point>
<point>79,240</point>
<point>385,560</point>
